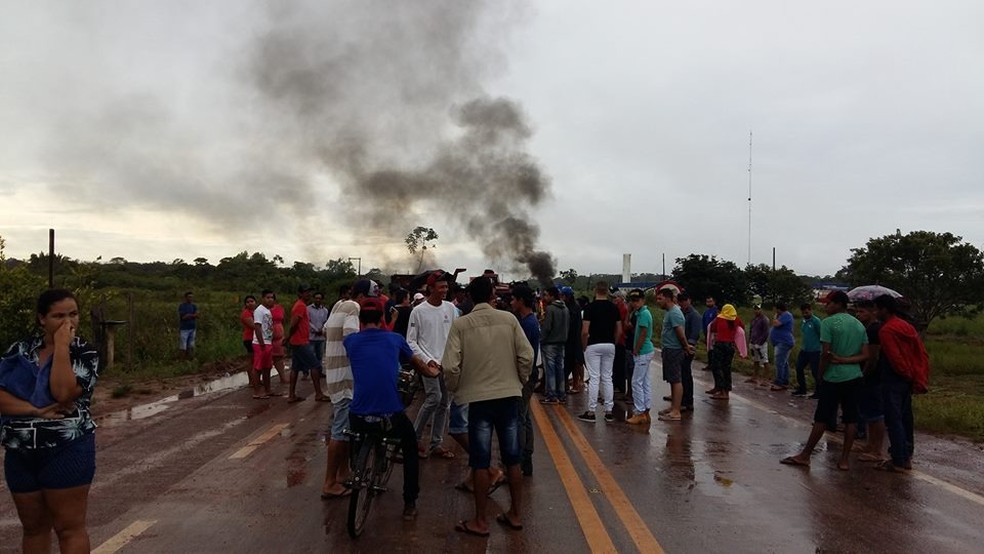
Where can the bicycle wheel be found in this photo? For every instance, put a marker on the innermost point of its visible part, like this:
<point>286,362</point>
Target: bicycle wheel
<point>388,463</point>
<point>363,474</point>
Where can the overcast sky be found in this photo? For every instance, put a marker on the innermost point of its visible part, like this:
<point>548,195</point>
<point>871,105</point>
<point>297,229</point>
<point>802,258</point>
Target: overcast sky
<point>155,130</point>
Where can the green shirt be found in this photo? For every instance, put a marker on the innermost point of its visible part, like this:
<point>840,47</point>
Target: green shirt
<point>810,331</point>
<point>644,319</point>
<point>671,320</point>
<point>847,337</point>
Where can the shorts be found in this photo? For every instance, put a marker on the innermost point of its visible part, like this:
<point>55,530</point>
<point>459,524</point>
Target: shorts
<point>186,340</point>
<point>262,357</point>
<point>673,364</point>
<point>248,345</point>
<point>302,359</point>
<point>501,414</point>
<point>871,406</point>
<point>340,419</point>
<point>60,467</point>
<point>458,424</point>
<point>759,353</point>
<point>832,395</point>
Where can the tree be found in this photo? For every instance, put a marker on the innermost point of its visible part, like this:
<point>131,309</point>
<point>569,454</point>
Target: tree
<point>937,273</point>
<point>779,284</point>
<point>704,276</point>
<point>20,289</point>
<point>339,269</point>
<point>569,276</point>
<point>419,240</point>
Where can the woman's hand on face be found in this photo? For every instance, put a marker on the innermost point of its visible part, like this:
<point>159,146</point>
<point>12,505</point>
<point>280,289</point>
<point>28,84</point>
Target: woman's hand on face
<point>65,334</point>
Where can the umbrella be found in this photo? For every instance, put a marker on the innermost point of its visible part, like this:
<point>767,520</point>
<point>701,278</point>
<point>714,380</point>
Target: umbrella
<point>870,292</point>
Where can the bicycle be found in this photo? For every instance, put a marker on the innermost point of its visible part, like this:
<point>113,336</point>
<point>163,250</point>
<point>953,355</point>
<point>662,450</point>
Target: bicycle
<point>373,458</point>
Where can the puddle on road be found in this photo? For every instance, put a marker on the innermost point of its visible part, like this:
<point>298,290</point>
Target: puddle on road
<point>144,411</point>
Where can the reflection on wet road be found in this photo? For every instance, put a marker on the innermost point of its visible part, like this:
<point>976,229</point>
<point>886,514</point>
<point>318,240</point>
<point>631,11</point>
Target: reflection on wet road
<point>212,470</point>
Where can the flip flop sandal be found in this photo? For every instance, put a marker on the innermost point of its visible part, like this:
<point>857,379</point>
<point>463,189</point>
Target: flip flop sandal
<point>791,461</point>
<point>503,520</point>
<point>888,466</point>
<point>442,453</point>
<point>668,417</point>
<point>498,484</point>
<point>295,400</point>
<point>462,526</point>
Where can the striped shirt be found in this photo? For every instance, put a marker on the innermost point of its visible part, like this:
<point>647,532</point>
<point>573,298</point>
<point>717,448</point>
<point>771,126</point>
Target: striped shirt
<point>342,322</point>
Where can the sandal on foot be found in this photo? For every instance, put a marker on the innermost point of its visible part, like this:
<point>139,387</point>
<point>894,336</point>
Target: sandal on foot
<point>503,520</point>
<point>791,461</point>
<point>498,483</point>
<point>462,527</point>
<point>295,399</point>
<point>888,466</point>
<point>668,417</point>
<point>440,452</point>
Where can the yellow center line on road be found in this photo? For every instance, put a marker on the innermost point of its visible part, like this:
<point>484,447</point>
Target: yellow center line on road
<point>594,530</point>
<point>637,528</point>
<point>259,441</point>
<point>121,539</point>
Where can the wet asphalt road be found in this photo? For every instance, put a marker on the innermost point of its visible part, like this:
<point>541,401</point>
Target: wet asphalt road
<point>220,472</point>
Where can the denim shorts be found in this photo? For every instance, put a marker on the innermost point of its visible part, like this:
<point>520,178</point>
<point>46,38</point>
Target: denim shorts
<point>501,414</point>
<point>60,467</point>
<point>458,424</point>
<point>302,358</point>
<point>832,395</point>
<point>340,419</point>
<point>186,339</point>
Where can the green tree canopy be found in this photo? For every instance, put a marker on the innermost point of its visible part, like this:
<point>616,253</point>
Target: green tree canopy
<point>779,284</point>
<point>419,240</point>
<point>702,276</point>
<point>938,273</point>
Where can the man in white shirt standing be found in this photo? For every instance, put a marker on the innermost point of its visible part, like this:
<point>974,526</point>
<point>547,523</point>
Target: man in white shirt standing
<point>427,334</point>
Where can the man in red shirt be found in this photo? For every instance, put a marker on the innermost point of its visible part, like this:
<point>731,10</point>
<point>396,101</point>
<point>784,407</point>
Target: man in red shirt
<point>302,358</point>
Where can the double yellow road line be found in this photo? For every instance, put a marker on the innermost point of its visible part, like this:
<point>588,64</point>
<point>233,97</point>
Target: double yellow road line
<point>595,532</point>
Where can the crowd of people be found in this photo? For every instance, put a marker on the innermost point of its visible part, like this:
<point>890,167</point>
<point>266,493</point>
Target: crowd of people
<point>479,368</point>
<point>478,356</point>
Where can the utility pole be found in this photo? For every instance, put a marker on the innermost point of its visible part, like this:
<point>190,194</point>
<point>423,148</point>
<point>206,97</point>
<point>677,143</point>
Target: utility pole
<point>51,258</point>
<point>749,197</point>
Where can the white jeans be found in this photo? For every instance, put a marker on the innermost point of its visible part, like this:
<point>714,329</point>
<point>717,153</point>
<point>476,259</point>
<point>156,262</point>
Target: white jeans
<point>642,389</point>
<point>599,359</point>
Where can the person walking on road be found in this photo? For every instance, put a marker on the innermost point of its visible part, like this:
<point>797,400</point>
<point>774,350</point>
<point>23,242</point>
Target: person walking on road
<point>46,387</point>
<point>758,343</point>
<point>906,371</point>
<point>522,306</point>
<point>674,347</point>
<point>317,316</point>
<point>692,328</point>
<point>783,342</point>
<point>845,347</point>
<point>601,329</point>
<point>643,351</point>
<point>725,336</point>
<point>427,335</point>
<point>809,354</point>
<point>487,361</point>
<point>302,358</point>
<point>554,335</point>
<point>375,356</point>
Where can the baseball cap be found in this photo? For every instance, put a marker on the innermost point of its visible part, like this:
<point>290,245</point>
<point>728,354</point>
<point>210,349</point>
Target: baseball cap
<point>371,303</point>
<point>418,296</point>
<point>435,276</point>
<point>837,296</point>
<point>567,291</point>
<point>365,287</point>
<point>637,294</point>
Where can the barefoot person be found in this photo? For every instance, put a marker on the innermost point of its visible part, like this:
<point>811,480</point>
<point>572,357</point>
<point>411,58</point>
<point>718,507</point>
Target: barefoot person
<point>845,347</point>
<point>46,386</point>
<point>486,362</point>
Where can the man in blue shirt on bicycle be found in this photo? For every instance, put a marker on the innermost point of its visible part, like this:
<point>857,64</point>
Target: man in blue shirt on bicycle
<point>375,356</point>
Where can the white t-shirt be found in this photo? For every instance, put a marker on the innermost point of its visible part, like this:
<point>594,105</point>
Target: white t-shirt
<point>428,328</point>
<point>264,317</point>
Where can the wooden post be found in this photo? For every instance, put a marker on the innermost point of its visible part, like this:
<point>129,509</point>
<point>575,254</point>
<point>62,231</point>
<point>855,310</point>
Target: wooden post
<point>129,331</point>
<point>51,258</point>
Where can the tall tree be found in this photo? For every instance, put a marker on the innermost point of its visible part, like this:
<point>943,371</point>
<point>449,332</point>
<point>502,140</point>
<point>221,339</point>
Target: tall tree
<point>418,241</point>
<point>702,276</point>
<point>569,276</point>
<point>937,273</point>
<point>779,284</point>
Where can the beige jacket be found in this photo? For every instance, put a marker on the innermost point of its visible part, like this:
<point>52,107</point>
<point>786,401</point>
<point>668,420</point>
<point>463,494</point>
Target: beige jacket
<point>487,356</point>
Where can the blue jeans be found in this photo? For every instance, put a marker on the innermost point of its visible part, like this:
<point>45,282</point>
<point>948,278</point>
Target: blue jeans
<point>642,388</point>
<point>897,394</point>
<point>437,403</point>
<point>782,364</point>
<point>459,419</point>
<point>502,415</point>
<point>804,359</point>
<point>553,367</point>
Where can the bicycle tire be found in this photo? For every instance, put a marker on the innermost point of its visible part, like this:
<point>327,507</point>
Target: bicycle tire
<point>389,454</point>
<point>363,474</point>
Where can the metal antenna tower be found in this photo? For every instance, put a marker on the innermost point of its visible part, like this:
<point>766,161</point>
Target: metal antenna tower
<point>749,197</point>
